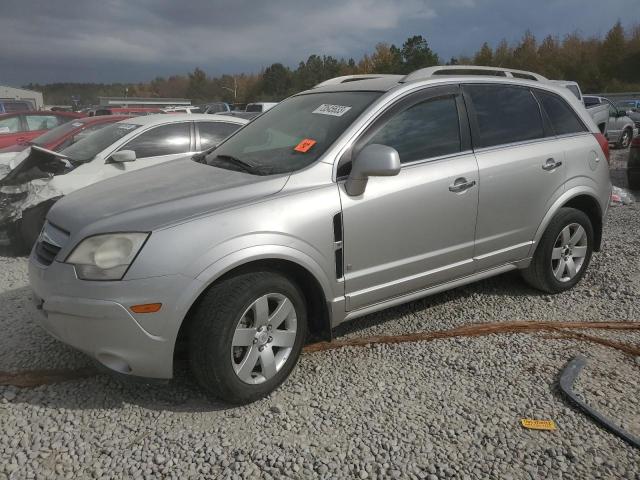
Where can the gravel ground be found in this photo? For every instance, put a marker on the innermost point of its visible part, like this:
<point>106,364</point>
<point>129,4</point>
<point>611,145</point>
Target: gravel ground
<point>441,409</point>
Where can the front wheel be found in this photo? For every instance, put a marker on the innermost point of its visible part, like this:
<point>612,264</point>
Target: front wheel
<point>625,139</point>
<point>563,254</point>
<point>246,336</point>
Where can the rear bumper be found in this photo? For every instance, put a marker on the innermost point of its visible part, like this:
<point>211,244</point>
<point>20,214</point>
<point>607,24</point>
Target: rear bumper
<point>94,317</point>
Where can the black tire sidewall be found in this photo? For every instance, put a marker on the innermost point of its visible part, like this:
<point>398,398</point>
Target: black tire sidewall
<point>565,217</point>
<point>218,337</point>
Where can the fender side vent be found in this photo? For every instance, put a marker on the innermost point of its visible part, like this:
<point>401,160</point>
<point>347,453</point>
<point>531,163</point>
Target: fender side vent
<point>337,227</point>
<point>337,243</point>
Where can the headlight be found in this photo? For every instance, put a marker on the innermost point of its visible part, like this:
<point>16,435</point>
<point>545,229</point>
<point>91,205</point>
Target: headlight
<point>106,257</point>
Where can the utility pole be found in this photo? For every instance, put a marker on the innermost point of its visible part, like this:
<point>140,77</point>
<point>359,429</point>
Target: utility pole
<point>233,90</point>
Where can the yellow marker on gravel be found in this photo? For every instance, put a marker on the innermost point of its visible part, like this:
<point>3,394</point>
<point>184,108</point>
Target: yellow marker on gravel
<point>538,424</point>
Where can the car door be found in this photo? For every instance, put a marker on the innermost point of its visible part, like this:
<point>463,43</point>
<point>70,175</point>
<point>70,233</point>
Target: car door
<point>414,230</point>
<point>11,131</point>
<point>521,169</point>
<point>159,144</point>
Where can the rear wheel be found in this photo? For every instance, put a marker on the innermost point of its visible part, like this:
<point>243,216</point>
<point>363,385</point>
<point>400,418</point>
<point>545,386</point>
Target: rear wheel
<point>246,336</point>
<point>563,254</point>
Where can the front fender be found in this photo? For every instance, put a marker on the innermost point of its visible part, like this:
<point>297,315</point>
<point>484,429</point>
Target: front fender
<point>267,252</point>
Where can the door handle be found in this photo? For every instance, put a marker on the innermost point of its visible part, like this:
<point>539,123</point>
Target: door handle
<point>461,184</point>
<point>550,164</point>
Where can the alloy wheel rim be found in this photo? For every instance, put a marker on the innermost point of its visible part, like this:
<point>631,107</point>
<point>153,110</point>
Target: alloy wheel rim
<point>569,252</point>
<point>625,139</point>
<point>264,338</point>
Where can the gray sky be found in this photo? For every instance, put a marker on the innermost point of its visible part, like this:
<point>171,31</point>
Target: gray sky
<point>135,40</point>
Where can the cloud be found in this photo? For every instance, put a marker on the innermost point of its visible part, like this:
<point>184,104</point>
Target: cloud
<point>131,40</point>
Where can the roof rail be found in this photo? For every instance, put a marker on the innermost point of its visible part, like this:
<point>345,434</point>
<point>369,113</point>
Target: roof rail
<point>352,78</point>
<point>428,72</point>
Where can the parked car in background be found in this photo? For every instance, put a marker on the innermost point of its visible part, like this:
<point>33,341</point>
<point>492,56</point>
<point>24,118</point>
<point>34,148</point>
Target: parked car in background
<point>259,107</point>
<point>620,128</point>
<point>216,107</point>
<point>11,106</point>
<point>599,113</point>
<point>245,115</point>
<point>632,107</point>
<point>41,179</point>
<point>628,105</point>
<point>20,127</point>
<point>362,193</point>
<point>129,111</point>
<point>633,164</point>
<point>56,139</point>
<point>181,109</point>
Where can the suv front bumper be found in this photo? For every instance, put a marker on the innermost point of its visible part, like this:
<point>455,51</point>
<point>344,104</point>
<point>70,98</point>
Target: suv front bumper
<point>105,329</point>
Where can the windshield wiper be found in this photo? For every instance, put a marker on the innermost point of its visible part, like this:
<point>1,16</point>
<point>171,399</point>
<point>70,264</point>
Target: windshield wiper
<point>244,166</point>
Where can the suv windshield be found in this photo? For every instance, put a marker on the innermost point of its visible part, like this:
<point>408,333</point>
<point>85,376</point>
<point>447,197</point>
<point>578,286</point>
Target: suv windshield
<point>292,135</point>
<point>87,148</point>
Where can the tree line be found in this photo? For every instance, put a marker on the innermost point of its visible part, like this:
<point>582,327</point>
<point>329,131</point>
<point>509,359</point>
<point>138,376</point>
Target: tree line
<point>609,64</point>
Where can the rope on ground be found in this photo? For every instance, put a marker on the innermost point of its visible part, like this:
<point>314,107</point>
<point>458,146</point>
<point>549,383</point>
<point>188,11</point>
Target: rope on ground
<point>563,330</point>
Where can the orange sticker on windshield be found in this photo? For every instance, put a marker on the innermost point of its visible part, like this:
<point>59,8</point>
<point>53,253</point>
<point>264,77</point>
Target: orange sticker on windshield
<point>305,145</point>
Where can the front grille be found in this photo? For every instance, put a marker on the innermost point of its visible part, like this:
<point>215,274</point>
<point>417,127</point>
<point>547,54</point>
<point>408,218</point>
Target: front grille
<point>46,252</point>
<point>50,242</point>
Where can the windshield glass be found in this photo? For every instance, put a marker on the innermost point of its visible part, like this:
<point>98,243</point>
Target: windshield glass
<point>55,133</point>
<point>87,148</point>
<point>292,134</point>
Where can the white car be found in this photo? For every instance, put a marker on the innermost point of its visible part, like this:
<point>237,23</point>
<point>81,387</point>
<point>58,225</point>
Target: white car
<point>259,106</point>
<point>38,181</point>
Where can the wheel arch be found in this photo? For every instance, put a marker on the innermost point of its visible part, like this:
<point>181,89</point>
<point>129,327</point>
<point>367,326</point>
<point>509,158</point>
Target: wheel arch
<point>580,199</point>
<point>314,289</point>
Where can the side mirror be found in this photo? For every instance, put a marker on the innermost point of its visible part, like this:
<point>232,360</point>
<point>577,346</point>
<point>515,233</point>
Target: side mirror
<point>373,161</point>
<point>122,156</point>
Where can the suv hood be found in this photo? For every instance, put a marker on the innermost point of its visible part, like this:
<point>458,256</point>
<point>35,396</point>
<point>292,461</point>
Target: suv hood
<point>158,196</point>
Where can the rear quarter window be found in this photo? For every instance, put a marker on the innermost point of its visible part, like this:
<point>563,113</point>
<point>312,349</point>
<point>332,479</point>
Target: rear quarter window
<point>503,114</point>
<point>563,119</point>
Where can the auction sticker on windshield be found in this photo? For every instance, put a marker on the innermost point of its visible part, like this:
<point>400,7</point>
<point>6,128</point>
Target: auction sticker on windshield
<point>305,145</point>
<point>333,110</point>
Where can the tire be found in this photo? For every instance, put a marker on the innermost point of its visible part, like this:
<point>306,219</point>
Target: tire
<point>625,138</point>
<point>550,274</point>
<point>239,303</point>
<point>634,180</point>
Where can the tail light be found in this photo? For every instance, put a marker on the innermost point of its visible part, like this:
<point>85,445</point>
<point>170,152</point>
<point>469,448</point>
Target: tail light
<point>604,144</point>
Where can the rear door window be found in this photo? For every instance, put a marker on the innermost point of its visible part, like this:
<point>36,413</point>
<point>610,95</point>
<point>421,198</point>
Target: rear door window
<point>426,130</point>
<point>562,117</point>
<point>503,114</point>
<point>212,133</point>
<point>162,140</point>
<point>41,122</point>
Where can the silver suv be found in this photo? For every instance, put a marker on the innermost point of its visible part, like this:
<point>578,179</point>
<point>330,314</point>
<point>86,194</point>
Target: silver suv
<point>360,194</point>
